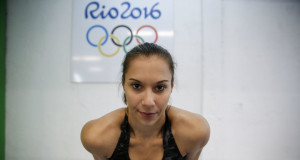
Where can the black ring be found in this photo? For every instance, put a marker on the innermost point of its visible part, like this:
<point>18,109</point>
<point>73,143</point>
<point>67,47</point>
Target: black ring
<point>131,37</point>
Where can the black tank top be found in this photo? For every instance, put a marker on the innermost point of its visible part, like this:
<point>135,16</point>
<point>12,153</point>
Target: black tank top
<point>171,151</point>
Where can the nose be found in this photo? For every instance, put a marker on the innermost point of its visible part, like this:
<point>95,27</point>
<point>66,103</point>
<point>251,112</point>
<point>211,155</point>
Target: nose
<point>148,100</point>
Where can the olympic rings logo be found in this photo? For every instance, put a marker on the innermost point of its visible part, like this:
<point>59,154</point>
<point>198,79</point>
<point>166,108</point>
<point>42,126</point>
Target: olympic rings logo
<point>115,40</point>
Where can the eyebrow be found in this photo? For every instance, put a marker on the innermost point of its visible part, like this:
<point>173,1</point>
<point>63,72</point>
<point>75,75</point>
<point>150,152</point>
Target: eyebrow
<point>162,81</point>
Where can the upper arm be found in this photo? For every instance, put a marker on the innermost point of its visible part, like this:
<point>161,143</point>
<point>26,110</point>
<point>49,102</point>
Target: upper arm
<point>202,131</point>
<point>100,136</point>
<point>191,131</point>
<point>92,141</point>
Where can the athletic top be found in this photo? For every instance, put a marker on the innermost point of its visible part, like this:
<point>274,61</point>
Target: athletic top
<point>171,151</point>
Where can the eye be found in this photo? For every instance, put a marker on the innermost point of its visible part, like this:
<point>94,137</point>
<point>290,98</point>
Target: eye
<point>160,88</point>
<point>136,86</point>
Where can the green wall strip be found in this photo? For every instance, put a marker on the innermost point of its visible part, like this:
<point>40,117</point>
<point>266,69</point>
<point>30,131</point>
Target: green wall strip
<point>2,76</point>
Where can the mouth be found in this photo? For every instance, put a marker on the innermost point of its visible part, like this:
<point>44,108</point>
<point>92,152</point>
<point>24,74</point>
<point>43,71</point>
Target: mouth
<point>147,114</point>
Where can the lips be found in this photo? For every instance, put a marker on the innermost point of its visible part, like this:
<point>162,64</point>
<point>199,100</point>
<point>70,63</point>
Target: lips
<point>147,114</point>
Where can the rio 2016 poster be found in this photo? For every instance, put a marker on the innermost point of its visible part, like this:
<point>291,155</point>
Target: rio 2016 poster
<point>103,31</point>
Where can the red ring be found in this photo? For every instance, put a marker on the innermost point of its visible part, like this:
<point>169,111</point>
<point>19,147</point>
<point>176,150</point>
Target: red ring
<point>149,27</point>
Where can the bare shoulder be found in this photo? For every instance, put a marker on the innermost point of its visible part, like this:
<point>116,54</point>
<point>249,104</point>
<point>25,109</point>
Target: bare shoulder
<point>100,136</point>
<point>191,131</point>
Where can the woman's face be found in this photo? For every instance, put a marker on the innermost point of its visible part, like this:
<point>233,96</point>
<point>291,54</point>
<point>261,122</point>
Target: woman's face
<point>147,88</point>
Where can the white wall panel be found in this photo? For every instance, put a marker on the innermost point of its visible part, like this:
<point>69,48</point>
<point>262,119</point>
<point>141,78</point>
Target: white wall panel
<point>249,79</point>
<point>251,83</point>
<point>44,110</point>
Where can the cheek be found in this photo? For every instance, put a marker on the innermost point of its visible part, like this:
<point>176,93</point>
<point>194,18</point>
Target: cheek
<point>132,99</point>
<point>163,99</point>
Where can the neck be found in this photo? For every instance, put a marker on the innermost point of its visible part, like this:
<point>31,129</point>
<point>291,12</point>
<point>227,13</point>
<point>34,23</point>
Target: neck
<point>139,130</point>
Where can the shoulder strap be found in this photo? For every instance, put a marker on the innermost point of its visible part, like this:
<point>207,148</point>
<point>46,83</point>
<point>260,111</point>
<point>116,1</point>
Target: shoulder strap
<point>121,150</point>
<point>171,151</point>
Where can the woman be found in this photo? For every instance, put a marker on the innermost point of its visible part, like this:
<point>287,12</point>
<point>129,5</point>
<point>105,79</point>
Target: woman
<point>148,128</point>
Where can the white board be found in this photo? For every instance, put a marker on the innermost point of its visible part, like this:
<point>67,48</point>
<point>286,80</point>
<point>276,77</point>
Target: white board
<point>103,31</point>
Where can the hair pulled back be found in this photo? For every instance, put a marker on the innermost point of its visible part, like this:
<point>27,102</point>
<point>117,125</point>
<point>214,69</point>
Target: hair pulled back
<point>147,50</point>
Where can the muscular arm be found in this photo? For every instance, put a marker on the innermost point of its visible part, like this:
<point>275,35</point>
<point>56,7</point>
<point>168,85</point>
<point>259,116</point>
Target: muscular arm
<point>191,132</point>
<point>99,136</point>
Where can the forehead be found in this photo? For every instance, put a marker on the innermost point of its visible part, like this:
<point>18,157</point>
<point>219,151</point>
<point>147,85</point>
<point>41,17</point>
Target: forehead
<point>152,67</point>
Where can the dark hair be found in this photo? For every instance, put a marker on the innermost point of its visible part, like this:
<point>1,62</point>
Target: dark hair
<point>147,49</point>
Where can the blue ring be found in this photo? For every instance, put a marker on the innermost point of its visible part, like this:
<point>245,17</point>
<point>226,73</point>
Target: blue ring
<point>87,35</point>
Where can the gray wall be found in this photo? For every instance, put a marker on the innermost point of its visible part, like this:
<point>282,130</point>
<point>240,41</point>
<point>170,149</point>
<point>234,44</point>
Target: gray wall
<point>238,65</point>
<point>251,79</point>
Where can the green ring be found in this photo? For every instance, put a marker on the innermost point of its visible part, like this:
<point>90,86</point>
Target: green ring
<point>136,36</point>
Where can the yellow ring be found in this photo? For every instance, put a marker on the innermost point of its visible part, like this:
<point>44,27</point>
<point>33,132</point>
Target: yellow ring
<point>108,55</point>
